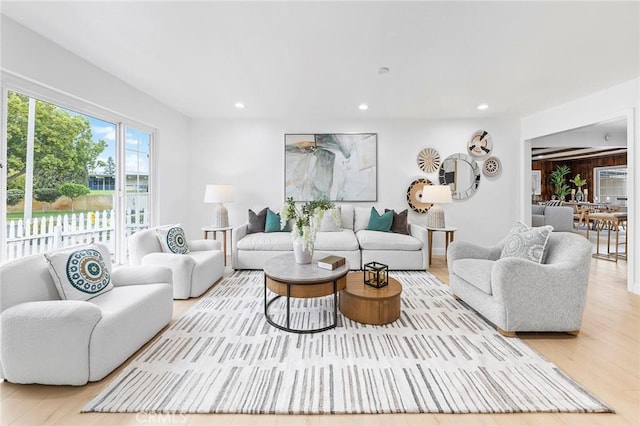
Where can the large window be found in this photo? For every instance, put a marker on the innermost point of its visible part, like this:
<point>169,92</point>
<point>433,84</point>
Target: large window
<point>65,174</point>
<point>611,184</point>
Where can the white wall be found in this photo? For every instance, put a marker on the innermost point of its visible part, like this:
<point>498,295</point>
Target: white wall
<point>31,60</point>
<point>622,100</point>
<point>249,154</point>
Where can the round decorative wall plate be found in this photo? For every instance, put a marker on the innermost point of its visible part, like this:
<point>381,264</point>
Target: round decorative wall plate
<point>429,160</point>
<point>414,195</point>
<point>480,144</point>
<point>491,167</point>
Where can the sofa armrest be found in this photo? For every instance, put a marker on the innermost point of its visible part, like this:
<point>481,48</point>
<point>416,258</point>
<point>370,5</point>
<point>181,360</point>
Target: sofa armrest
<point>460,249</point>
<point>419,232</point>
<point>239,232</point>
<point>143,274</point>
<point>47,342</point>
<point>204,245</point>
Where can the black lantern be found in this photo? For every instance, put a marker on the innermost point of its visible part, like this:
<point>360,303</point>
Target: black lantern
<point>376,274</point>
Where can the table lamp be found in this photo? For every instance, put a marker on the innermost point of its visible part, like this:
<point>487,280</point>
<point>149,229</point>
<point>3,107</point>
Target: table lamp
<point>219,194</point>
<point>436,194</point>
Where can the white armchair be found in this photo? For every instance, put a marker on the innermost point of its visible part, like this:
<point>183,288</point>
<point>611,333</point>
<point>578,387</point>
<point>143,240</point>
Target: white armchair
<point>193,273</point>
<point>51,341</point>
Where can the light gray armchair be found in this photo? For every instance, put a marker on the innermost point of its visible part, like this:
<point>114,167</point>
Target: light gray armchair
<point>520,295</point>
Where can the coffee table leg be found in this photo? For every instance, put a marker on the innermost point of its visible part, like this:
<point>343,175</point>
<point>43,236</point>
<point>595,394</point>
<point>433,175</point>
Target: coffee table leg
<point>288,299</point>
<point>335,303</point>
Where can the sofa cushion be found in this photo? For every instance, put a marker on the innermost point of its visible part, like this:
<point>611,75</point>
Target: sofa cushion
<point>257,221</point>
<point>361,218</point>
<point>380,222</point>
<point>344,240</point>
<point>173,240</point>
<point>400,224</point>
<point>530,244</point>
<point>273,223</point>
<point>328,223</point>
<point>477,272</point>
<point>376,240</point>
<point>262,241</point>
<point>80,274</point>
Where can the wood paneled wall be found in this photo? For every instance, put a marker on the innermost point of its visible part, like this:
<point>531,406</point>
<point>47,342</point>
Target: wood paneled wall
<point>583,166</point>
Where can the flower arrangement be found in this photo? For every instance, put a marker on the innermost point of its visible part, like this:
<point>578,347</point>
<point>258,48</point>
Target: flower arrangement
<point>307,217</point>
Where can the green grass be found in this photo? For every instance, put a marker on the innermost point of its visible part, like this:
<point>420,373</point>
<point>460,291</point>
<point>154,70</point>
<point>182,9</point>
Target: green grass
<point>40,213</point>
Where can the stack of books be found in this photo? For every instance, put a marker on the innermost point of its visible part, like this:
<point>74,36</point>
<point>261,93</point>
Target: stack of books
<point>331,262</point>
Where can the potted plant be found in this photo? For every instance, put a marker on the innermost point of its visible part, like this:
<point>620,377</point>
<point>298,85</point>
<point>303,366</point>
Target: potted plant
<point>557,179</point>
<point>579,182</point>
<point>307,218</point>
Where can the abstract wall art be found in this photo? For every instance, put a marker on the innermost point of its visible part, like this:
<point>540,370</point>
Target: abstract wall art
<point>339,166</point>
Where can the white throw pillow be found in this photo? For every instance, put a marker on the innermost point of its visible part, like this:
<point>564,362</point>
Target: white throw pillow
<point>328,223</point>
<point>80,274</point>
<point>173,240</point>
<point>530,244</point>
<point>362,216</point>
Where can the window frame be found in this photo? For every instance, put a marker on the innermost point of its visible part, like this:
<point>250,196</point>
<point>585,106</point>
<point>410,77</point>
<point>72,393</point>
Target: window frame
<point>15,83</point>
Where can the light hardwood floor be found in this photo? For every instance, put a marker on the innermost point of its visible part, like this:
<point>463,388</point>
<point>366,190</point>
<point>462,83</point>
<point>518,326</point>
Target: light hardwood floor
<point>605,358</point>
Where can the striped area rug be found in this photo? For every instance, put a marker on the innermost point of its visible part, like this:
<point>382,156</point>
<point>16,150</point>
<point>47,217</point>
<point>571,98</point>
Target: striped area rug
<point>439,357</point>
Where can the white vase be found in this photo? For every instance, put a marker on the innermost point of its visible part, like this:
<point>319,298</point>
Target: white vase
<point>302,255</point>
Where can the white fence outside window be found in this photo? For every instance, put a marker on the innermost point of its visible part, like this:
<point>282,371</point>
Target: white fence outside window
<point>39,235</point>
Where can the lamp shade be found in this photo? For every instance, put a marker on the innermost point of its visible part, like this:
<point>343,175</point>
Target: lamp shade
<point>218,194</point>
<point>436,194</point>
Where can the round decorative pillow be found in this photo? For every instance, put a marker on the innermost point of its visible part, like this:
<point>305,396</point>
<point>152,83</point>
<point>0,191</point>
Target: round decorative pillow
<point>87,272</point>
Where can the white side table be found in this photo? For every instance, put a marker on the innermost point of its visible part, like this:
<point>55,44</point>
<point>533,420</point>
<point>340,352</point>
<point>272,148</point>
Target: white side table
<point>449,232</point>
<point>224,230</point>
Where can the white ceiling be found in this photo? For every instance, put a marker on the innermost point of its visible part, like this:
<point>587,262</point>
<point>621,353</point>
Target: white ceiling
<point>320,59</point>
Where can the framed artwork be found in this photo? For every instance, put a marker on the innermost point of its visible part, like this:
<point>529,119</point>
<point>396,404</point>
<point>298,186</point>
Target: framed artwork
<point>536,182</point>
<point>339,166</point>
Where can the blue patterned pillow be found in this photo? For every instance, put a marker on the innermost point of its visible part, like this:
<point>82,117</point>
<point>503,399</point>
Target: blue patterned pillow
<point>173,240</point>
<point>80,274</point>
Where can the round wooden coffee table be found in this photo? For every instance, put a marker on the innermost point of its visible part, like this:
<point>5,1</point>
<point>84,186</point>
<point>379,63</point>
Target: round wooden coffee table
<point>369,305</point>
<point>285,277</point>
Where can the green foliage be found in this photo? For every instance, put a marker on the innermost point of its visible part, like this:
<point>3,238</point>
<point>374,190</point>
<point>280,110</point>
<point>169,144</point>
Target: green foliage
<point>46,196</point>
<point>557,179</point>
<point>110,167</point>
<point>578,181</point>
<point>73,191</point>
<point>14,196</point>
<point>64,150</point>
<point>307,217</point>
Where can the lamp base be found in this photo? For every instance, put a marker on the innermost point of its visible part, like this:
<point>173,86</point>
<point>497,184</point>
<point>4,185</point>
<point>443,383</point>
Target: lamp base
<point>435,217</point>
<point>220,216</point>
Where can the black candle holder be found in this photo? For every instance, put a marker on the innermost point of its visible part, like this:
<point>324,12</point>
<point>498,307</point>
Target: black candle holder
<point>376,274</point>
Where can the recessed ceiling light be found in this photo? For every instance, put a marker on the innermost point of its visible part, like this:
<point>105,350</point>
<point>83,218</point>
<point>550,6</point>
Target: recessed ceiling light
<point>239,105</point>
<point>383,70</point>
<point>482,107</point>
<point>363,107</point>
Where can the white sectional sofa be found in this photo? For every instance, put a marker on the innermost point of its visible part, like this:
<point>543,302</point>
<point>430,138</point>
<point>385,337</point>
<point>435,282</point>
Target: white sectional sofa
<point>354,242</point>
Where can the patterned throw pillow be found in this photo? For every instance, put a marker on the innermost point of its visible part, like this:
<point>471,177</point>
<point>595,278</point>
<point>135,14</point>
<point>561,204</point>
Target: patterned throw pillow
<point>80,274</point>
<point>173,240</point>
<point>530,244</point>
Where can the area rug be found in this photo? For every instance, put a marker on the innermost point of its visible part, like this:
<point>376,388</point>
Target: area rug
<point>438,357</point>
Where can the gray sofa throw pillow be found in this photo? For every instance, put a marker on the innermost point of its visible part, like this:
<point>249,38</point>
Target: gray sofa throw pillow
<point>257,221</point>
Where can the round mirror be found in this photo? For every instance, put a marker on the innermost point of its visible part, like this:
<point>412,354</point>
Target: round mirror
<point>462,174</point>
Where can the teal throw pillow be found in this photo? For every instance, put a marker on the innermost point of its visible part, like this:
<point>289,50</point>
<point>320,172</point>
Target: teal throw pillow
<point>379,222</point>
<point>272,224</point>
